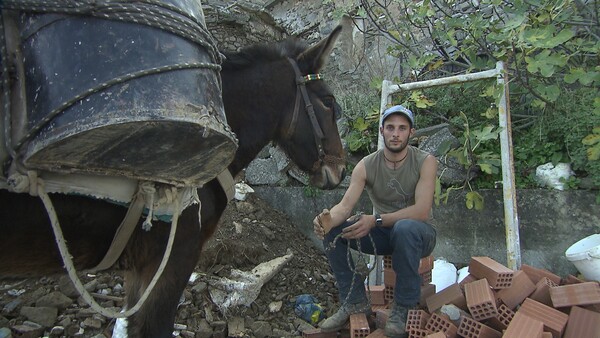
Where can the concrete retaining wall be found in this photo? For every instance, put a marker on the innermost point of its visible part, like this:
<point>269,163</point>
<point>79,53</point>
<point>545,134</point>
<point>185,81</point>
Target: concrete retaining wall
<point>551,221</point>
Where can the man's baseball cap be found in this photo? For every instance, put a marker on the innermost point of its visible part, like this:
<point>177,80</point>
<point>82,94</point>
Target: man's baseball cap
<point>399,109</point>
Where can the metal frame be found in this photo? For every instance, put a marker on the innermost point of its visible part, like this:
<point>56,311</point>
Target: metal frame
<point>511,221</point>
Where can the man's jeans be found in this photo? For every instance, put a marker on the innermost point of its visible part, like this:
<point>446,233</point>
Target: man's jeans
<point>407,242</point>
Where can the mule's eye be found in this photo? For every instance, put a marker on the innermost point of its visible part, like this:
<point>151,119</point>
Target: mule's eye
<point>334,106</point>
<point>337,110</point>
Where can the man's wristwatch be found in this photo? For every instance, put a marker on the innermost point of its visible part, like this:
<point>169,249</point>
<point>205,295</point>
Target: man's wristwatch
<point>378,220</point>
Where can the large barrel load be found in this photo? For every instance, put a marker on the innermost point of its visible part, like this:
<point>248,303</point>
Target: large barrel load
<point>112,88</point>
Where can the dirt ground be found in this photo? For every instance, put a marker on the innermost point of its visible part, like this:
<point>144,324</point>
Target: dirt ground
<point>251,233</point>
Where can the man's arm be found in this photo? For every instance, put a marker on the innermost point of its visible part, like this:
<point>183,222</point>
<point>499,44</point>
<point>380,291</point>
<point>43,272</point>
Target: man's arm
<point>341,211</point>
<point>423,196</point>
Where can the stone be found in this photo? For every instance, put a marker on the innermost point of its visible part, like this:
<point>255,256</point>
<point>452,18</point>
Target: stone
<point>28,330</point>
<point>45,316</point>
<point>261,329</point>
<point>204,329</point>
<point>54,299</point>
<point>5,332</point>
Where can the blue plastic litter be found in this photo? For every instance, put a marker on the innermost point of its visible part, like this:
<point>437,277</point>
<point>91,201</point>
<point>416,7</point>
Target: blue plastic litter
<point>308,308</point>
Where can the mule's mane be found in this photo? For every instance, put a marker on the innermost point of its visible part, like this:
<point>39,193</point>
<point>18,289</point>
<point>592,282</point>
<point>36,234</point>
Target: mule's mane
<point>263,53</point>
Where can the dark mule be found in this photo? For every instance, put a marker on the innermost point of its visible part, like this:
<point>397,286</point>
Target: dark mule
<point>264,101</point>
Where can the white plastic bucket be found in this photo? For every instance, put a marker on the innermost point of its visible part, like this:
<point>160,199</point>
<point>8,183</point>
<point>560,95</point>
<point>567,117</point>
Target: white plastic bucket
<point>585,255</point>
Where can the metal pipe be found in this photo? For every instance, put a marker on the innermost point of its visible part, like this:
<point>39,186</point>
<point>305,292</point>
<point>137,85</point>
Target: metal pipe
<point>511,219</point>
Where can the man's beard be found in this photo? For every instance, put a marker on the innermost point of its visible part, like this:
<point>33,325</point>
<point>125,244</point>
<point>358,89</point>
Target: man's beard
<point>395,150</point>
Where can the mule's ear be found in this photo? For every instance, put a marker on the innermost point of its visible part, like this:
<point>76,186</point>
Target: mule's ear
<point>317,55</point>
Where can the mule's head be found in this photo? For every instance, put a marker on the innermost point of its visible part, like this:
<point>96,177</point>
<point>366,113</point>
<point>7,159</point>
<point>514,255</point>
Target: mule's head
<point>309,131</point>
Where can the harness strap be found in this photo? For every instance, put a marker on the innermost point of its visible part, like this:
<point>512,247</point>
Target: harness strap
<point>123,233</point>
<point>301,88</point>
<point>226,181</point>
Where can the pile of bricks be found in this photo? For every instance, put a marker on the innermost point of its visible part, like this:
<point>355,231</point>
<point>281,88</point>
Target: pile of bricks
<point>493,301</point>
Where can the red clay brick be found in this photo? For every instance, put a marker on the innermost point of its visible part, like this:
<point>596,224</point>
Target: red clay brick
<point>497,275</point>
<point>450,295</point>
<point>575,294</point>
<point>468,279</point>
<point>389,277</point>
<point>440,322</point>
<point>418,333</point>
<point>522,326</point>
<point>376,294</point>
<point>536,274</point>
<point>426,291</point>
<point>417,319</point>
<point>379,333</point>
<point>501,321</point>
<point>480,300</point>
<point>542,291</point>
<point>520,289</point>
<point>583,323</point>
<point>546,334</point>
<point>570,279</point>
<point>554,320</point>
<point>316,333</point>
<point>470,328</point>
<point>359,326</point>
<point>426,277</point>
<point>388,293</point>
<point>387,262</point>
<point>436,335</point>
<point>425,264</point>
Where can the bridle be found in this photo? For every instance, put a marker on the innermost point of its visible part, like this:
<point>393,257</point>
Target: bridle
<point>301,93</point>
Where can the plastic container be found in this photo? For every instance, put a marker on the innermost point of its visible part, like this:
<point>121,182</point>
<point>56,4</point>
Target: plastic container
<point>585,255</point>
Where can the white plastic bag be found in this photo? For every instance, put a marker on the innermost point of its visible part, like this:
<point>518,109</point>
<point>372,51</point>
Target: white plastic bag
<point>443,274</point>
<point>550,176</point>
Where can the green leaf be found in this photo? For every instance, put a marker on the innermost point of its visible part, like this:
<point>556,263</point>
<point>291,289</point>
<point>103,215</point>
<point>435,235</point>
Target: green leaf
<point>514,22</point>
<point>593,153</point>
<point>549,92</point>
<point>559,39</point>
<point>487,133</point>
<point>474,200</point>
<point>591,138</point>
<point>360,124</point>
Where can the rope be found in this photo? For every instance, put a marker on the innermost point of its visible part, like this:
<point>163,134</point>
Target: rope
<point>361,256</point>
<point>152,13</point>
<point>68,262</point>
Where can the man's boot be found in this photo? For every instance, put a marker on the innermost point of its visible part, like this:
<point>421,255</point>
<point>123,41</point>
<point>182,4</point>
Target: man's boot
<point>396,322</point>
<point>338,319</point>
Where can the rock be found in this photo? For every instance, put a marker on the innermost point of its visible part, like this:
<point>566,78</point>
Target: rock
<point>235,327</point>
<point>57,331</point>
<point>450,170</point>
<point>92,322</point>
<point>45,316</point>
<point>11,306</point>
<point>28,330</point>
<point>55,299</point>
<point>261,329</point>
<point>204,329</point>
<point>66,287</point>
<point>263,171</point>
<point>5,332</point>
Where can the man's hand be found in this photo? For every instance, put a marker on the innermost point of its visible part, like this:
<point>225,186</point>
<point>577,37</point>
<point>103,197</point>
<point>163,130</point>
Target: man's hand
<point>360,228</point>
<point>322,224</point>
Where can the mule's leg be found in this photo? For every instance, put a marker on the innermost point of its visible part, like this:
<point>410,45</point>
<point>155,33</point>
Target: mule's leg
<point>157,316</point>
